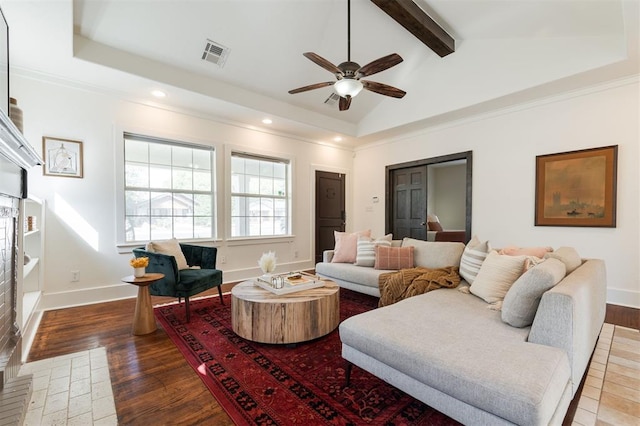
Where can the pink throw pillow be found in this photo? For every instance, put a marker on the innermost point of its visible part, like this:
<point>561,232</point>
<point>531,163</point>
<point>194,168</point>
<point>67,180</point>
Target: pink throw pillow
<point>525,251</point>
<point>394,257</point>
<point>346,248</point>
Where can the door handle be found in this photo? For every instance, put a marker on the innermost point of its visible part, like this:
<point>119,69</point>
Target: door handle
<point>423,223</point>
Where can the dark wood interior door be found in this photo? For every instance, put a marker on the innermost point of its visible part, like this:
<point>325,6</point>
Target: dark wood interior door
<point>409,206</point>
<point>330,210</point>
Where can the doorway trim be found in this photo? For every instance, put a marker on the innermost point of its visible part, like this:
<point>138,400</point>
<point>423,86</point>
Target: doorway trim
<point>466,155</point>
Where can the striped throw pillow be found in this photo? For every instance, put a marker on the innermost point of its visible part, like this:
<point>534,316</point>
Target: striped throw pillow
<point>472,257</point>
<point>366,250</point>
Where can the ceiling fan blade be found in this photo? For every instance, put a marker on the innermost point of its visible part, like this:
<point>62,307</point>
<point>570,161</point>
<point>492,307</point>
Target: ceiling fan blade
<point>319,60</point>
<point>383,89</point>
<point>345,102</point>
<point>378,65</point>
<point>311,87</point>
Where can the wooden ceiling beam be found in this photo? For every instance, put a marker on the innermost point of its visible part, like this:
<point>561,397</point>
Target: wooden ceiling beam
<point>417,22</point>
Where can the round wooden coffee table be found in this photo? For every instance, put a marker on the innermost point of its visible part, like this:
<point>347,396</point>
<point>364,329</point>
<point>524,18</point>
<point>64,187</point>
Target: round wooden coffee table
<point>265,317</point>
<point>143,320</point>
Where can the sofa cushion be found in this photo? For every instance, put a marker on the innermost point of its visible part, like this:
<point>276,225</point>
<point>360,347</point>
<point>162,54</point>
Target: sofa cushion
<point>473,255</point>
<point>171,248</point>
<point>366,250</point>
<point>451,342</point>
<point>568,255</point>
<point>433,255</point>
<point>522,300</point>
<point>345,250</point>
<point>393,257</point>
<point>349,272</point>
<point>496,276</point>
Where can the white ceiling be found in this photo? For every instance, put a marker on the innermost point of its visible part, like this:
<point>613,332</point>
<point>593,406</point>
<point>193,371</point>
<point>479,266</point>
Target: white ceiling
<point>507,51</point>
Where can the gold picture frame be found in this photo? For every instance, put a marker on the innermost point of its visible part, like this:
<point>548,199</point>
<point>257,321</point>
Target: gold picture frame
<point>62,157</point>
<point>577,188</point>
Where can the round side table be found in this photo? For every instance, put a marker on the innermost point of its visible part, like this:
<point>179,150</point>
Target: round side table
<point>143,320</point>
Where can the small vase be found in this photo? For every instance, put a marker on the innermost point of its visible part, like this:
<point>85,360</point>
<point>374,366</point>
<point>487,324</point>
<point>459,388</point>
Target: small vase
<point>138,272</point>
<point>15,113</point>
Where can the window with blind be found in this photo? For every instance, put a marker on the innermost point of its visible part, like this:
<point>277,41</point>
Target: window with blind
<point>260,196</point>
<point>169,189</point>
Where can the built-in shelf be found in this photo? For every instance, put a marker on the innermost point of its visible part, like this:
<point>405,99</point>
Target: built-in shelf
<point>29,267</point>
<point>29,302</point>
<point>32,282</point>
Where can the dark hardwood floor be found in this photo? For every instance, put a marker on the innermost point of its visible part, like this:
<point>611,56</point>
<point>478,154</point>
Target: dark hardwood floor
<point>152,383</point>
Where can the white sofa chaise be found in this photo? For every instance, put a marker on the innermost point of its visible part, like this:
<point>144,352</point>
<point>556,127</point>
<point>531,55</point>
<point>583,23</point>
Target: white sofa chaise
<point>447,349</point>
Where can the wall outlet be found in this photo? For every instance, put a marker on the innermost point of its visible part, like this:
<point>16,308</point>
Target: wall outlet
<point>223,259</point>
<point>75,276</point>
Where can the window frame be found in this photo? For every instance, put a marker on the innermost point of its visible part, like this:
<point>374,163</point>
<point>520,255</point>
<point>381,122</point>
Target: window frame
<point>232,151</point>
<point>125,246</point>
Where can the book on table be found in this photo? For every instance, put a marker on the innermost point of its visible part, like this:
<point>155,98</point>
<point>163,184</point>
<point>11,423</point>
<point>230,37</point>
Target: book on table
<point>288,283</point>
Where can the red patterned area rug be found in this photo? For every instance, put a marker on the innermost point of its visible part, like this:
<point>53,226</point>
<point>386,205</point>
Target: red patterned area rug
<point>261,384</point>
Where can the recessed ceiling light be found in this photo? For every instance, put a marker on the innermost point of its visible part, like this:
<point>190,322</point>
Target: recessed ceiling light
<point>267,121</point>
<point>337,139</point>
<point>158,94</point>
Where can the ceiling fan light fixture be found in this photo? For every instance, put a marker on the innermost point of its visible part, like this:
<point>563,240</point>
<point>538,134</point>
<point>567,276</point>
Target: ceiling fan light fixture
<point>347,87</point>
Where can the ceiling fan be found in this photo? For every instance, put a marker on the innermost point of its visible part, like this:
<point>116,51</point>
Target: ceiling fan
<point>349,74</point>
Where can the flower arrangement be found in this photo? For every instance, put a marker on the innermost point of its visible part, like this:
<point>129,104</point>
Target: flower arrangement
<point>268,262</point>
<point>139,262</point>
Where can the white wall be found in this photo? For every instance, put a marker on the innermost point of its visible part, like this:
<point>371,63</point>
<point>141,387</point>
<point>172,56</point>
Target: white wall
<point>81,213</point>
<point>504,146</point>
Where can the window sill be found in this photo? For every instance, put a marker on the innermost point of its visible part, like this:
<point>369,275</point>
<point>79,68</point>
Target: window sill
<point>128,247</point>
<point>244,241</point>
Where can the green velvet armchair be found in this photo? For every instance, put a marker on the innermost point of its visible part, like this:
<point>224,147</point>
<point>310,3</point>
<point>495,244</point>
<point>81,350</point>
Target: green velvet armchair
<point>185,282</point>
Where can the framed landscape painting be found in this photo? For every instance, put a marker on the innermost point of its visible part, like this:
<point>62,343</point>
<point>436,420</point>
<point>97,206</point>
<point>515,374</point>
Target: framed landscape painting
<point>577,188</point>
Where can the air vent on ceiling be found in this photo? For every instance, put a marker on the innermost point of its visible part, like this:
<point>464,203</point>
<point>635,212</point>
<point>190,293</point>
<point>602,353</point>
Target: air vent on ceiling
<point>332,99</point>
<point>215,53</point>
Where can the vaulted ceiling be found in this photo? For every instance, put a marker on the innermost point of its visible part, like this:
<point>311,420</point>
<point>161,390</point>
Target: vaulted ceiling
<point>507,52</point>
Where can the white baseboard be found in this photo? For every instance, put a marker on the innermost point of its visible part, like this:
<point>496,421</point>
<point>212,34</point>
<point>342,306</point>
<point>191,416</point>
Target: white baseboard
<point>86,296</point>
<point>627,298</point>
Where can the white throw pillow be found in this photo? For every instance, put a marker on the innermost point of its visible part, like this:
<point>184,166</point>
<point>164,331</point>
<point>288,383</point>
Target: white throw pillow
<point>472,257</point>
<point>497,274</point>
<point>567,255</point>
<point>171,248</point>
<point>366,252</point>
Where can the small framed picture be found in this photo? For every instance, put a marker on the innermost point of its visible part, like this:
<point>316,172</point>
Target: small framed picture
<point>62,157</point>
<point>577,188</point>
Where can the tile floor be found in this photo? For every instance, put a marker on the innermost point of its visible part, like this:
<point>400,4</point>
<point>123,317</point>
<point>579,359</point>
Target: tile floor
<point>75,389</point>
<point>72,389</point>
<point>611,394</point>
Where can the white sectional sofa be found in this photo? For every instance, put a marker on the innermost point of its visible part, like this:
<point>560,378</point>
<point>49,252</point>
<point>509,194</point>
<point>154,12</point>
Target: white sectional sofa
<point>365,280</point>
<point>447,349</point>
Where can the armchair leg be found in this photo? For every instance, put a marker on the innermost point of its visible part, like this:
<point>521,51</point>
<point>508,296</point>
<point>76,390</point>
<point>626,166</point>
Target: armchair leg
<point>220,293</point>
<point>186,305</point>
